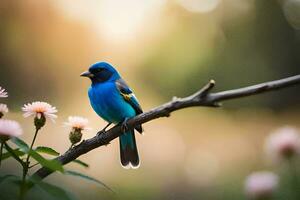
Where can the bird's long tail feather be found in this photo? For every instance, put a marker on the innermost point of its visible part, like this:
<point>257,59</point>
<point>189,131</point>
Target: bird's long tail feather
<point>128,151</point>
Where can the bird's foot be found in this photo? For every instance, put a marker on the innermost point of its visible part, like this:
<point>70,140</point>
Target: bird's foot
<point>124,126</point>
<point>104,140</point>
<point>103,130</point>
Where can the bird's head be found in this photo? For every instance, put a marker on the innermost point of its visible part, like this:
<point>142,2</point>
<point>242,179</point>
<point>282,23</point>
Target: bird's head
<point>101,72</point>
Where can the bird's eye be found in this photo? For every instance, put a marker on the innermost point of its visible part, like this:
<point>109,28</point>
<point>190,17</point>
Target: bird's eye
<point>97,70</point>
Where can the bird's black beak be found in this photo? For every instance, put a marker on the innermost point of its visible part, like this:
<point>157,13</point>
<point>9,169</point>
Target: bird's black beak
<point>87,74</point>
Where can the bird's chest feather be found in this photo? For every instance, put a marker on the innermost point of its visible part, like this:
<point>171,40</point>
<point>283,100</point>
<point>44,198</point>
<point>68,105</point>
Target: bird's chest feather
<point>109,104</point>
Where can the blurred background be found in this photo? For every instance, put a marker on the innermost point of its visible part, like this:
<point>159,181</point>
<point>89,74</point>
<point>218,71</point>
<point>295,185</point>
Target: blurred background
<point>163,48</point>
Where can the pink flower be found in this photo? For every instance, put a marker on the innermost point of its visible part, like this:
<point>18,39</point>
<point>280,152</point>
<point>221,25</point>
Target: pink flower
<point>39,109</point>
<point>261,185</point>
<point>283,143</point>
<point>76,122</point>
<point>3,93</point>
<point>9,128</point>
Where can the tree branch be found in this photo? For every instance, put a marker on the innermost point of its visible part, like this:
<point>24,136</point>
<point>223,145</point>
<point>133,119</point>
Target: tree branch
<point>201,98</point>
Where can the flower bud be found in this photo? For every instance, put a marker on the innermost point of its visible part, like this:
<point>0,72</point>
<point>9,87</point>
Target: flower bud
<point>39,121</point>
<point>4,138</point>
<point>75,136</point>
<point>77,125</point>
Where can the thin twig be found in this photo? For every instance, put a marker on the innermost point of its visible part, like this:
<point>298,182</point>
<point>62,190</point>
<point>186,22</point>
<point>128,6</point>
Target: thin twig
<point>201,98</point>
<point>33,165</point>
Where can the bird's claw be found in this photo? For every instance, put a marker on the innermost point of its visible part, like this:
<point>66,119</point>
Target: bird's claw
<point>104,140</point>
<point>101,132</point>
<point>124,126</point>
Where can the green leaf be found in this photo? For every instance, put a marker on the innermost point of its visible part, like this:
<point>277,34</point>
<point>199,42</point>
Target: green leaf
<point>21,144</point>
<point>54,191</point>
<point>83,176</point>
<point>11,151</point>
<point>51,164</point>
<point>81,163</point>
<point>46,150</point>
<point>3,178</point>
<point>8,154</point>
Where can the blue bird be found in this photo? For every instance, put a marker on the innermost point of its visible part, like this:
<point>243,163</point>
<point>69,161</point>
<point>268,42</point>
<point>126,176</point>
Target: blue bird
<point>113,100</point>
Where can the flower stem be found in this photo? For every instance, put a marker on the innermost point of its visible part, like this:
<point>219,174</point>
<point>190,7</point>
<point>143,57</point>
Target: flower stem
<point>25,171</point>
<point>1,150</point>
<point>26,166</point>
<point>295,185</point>
<point>31,146</point>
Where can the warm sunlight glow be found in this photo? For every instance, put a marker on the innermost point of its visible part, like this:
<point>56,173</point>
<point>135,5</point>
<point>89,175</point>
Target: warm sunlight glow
<point>199,5</point>
<point>114,19</point>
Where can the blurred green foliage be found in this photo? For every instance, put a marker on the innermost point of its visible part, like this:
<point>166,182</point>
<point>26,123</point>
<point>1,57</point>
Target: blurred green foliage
<point>251,49</point>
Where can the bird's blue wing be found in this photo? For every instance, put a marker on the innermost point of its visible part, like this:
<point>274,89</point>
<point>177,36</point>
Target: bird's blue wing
<point>128,95</point>
<point>130,98</point>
